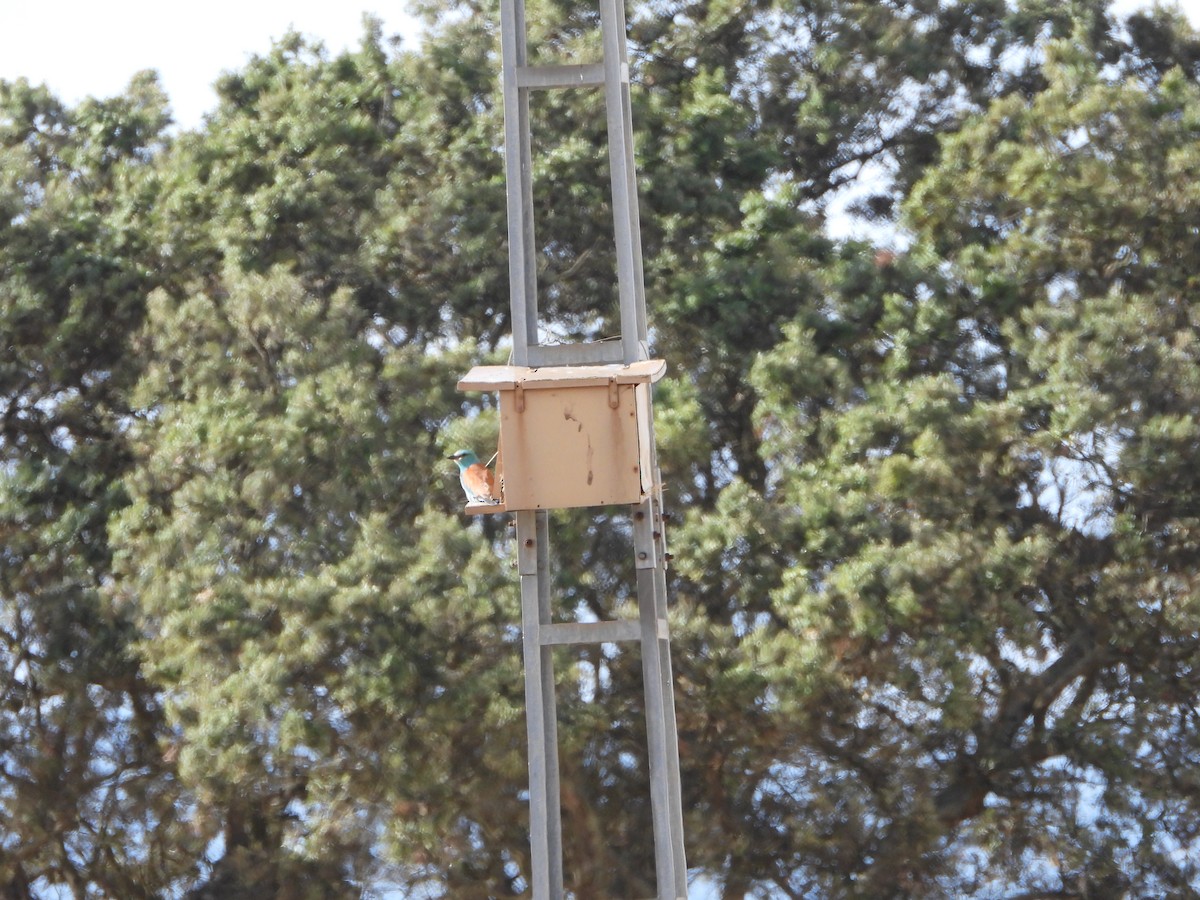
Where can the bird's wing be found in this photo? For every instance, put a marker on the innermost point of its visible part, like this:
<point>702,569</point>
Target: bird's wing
<point>478,482</point>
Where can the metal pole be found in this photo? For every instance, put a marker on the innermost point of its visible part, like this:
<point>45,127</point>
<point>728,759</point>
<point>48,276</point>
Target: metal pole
<point>661,735</point>
<point>541,711</point>
<point>518,172</point>
<point>539,634</point>
<point>624,189</point>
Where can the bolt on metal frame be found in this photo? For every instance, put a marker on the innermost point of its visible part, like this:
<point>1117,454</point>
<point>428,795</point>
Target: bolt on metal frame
<point>539,633</point>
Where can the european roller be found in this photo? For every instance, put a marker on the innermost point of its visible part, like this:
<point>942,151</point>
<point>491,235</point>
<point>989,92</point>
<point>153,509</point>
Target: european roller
<point>476,479</point>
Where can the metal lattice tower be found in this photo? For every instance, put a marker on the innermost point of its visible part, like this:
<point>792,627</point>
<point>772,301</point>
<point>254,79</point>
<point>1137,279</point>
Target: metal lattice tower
<point>540,634</point>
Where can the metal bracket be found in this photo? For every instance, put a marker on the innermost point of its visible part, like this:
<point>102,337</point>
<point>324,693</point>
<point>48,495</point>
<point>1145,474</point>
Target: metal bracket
<point>645,536</point>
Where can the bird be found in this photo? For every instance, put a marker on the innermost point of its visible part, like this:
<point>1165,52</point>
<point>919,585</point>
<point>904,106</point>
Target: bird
<point>476,479</point>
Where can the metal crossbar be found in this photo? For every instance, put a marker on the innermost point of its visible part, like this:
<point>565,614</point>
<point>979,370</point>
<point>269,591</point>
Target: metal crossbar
<point>540,634</point>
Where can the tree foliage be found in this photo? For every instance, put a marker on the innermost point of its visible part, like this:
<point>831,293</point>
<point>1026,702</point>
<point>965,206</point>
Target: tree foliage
<point>936,513</point>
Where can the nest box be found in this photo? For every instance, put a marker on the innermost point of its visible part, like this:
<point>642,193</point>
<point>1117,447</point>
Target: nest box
<point>570,435</point>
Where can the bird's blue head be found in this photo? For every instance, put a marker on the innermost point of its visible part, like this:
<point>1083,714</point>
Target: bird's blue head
<point>464,458</point>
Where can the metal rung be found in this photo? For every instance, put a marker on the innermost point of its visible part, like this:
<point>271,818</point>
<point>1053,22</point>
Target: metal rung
<point>591,632</point>
<point>541,77</point>
<point>594,352</point>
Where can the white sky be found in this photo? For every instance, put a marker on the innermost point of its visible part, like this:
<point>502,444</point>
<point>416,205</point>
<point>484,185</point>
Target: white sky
<point>93,47</point>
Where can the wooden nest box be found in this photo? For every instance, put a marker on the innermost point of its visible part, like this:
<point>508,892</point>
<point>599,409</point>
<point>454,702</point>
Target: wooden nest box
<point>570,435</point>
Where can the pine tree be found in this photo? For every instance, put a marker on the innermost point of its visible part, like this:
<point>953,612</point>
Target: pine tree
<point>933,562</point>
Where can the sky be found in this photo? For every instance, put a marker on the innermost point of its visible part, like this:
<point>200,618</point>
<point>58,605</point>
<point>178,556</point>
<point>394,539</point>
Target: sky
<point>93,47</point>
<point>86,48</point>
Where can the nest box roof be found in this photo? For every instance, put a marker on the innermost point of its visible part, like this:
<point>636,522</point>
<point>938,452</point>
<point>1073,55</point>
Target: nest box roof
<point>508,378</point>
